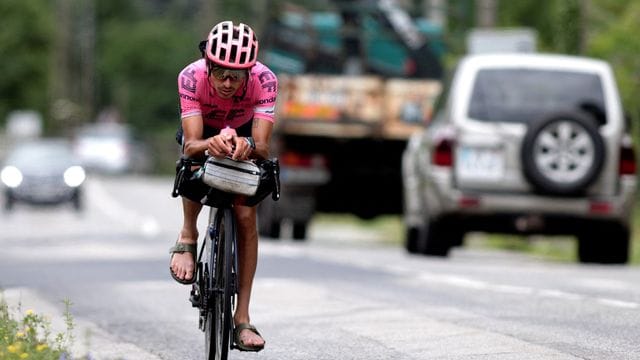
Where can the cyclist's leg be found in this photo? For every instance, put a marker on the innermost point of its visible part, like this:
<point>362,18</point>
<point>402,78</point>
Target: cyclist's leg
<point>247,263</point>
<point>183,264</point>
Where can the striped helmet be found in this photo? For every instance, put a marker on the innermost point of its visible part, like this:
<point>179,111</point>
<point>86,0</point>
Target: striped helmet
<point>232,46</point>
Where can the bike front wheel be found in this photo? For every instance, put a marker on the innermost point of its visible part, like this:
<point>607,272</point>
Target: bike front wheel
<point>219,317</point>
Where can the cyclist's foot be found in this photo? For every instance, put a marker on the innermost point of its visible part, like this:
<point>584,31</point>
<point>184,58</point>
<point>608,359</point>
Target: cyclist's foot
<point>247,337</point>
<point>183,256</point>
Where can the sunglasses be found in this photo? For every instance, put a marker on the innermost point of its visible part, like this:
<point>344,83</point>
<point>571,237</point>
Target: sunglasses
<point>222,74</point>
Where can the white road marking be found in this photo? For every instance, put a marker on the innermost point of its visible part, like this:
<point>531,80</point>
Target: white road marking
<point>465,282</point>
<point>145,224</point>
<point>618,303</point>
<point>553,293</point>
<point>472,284</point>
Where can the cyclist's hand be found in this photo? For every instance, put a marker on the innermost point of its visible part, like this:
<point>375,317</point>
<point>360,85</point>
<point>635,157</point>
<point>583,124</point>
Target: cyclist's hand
<point>221,145</point>
<point>242,149</point>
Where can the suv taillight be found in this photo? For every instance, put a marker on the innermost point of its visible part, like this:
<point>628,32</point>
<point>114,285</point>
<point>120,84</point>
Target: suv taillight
<point>443,153</point>
<point>627,160</point>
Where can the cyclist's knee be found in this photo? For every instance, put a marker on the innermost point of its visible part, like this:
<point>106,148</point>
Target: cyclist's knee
<point>245,215</point>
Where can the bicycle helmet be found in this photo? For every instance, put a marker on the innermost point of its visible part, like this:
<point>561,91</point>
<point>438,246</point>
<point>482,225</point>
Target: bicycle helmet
<point>232,46</point>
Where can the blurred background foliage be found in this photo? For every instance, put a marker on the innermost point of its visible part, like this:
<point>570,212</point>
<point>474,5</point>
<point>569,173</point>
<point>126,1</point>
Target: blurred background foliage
<point>70,59</point>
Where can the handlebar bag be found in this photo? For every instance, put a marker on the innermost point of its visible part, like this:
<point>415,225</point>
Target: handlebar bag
<point>236,177</point>
<point>269,182</point>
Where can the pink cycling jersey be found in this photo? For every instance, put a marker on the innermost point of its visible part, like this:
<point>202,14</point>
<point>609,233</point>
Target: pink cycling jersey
<point>198,97</point>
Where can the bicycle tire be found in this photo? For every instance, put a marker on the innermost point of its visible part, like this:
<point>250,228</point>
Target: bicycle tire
<point>219,317</point>
<point>208,260</point>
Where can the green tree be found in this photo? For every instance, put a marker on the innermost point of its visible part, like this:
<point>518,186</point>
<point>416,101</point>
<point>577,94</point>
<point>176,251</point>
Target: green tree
<point>139,64</point>
<point>615,39</point>
<point>143,46</point>
<point>25,50</point>
<point>557,22</point>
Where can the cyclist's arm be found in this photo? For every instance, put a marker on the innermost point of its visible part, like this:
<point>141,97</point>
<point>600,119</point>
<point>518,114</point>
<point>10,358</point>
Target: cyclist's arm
<point>261,133</point>
<point>195,145</point>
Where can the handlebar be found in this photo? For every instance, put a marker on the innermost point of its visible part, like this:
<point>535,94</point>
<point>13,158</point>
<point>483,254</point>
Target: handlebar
<point>275,195</point>
<point>185,173</point>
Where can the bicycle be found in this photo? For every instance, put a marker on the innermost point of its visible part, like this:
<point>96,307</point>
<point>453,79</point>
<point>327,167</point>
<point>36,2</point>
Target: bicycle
<point>216,285</point>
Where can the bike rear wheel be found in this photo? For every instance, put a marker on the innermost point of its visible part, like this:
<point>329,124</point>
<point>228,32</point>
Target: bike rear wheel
<point>219,325</point>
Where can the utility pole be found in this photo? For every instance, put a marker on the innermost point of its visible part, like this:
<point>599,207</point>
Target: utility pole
<point>584,29</point>
<point>486,11</point>
<point>208,18</point>
<point>61,76</point>
<point>436,12</point>
<point>87,35</point>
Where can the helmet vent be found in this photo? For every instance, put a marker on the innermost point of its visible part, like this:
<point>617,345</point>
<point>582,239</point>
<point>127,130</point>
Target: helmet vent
<point>234,51</point>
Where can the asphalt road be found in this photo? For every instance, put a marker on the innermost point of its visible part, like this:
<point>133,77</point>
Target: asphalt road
<point>343,294</point>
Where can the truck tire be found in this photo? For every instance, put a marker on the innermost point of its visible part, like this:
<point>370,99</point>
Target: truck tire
<point>269,229</point>
<point>562,154</point>
<point>268,223</point>
<point>300,230</point>
<point>273,230</point>
<point>604,244</point>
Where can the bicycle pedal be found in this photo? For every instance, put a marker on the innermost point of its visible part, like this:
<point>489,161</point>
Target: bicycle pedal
<point>194,298</point>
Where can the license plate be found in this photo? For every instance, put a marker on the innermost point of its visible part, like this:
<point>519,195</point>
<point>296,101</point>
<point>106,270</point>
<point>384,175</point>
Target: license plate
<point>480,163</point>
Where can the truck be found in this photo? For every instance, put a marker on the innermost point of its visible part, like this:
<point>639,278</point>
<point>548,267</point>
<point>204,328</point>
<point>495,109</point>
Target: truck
<point>354,84</point>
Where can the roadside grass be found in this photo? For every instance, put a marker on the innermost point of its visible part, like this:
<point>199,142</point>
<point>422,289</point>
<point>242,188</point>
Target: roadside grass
<point>29,336</point>
<point>556,248</point>
<point>386,229</point>
<point>389,229</point>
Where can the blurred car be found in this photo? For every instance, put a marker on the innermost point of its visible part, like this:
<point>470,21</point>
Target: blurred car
<point>524,144</point>
<point>42,171</point>
<point>109,148</point>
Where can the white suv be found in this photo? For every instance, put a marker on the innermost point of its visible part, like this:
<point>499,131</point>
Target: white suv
<point>523,143</point>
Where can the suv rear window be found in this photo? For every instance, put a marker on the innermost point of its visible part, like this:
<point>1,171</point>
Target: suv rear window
<point>524,95</point>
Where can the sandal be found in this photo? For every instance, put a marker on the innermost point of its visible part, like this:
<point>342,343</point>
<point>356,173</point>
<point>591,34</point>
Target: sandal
<point>236,338</point>
<point>182,248</point>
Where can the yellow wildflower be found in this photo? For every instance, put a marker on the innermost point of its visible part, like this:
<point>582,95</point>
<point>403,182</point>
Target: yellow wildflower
<point>24,356</point>
<point>29,312</point>
<point>41,347</point>
<point>12,349</point>
<point>20,334</point>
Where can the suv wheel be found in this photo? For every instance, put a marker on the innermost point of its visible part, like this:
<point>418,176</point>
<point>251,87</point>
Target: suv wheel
<point>562,154</point>
<point>9,202</point>
<point>411,240</point>
<point>435,238</point>
<point>604,243</point>
<point>76,201</point>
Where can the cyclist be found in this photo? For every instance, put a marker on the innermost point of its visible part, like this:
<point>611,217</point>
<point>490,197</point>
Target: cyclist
<point>226,89</point>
